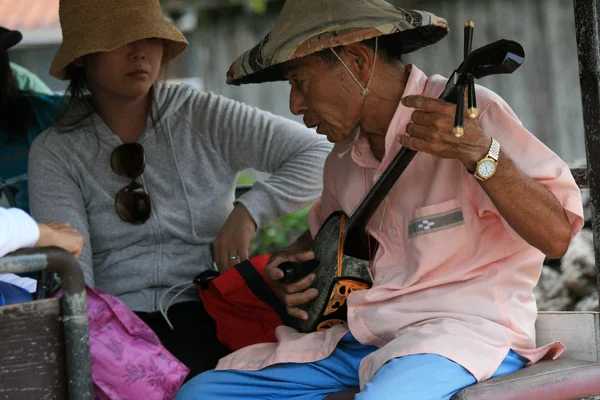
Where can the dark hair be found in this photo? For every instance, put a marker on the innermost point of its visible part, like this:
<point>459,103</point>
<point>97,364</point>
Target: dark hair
<point>388,46</point>
<point>15,111</point>
<point>77,95</point>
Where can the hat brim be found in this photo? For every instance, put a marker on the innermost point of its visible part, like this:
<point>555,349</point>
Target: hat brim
<point>103,40</point>
<point>9,38</point>
<point>305,27</point>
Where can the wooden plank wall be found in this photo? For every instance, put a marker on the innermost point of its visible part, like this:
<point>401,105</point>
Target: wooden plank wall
<point>544,92</point>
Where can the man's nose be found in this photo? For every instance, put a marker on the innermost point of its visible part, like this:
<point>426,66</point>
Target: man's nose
<point>297,102</point>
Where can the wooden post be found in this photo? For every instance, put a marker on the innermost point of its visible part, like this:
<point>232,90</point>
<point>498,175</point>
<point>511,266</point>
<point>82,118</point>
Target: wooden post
<point>588,51</point>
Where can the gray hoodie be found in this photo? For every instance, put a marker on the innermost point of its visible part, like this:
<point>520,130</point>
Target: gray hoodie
<point>194,152</point>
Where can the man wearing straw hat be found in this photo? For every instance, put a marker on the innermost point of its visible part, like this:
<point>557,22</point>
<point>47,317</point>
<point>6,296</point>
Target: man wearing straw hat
<point>451,302</point>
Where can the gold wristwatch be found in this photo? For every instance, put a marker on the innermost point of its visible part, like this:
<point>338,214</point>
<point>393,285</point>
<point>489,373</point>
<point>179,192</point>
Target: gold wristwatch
<point>486,167</point>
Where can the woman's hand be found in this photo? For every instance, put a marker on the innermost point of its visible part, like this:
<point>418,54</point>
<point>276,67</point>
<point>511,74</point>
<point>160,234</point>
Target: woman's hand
<point>60,235</point>
<point>232,243</point>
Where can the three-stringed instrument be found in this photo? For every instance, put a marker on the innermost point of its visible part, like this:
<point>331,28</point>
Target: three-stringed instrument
<point>341,247</point>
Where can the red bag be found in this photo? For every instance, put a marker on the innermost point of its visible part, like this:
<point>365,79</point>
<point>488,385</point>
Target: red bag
<point>243,305</point>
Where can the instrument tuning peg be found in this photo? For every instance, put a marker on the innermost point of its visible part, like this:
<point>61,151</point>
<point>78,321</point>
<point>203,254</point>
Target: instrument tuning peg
<point>472,113</point>
<point>469,28</point>
<point>459,117</point>
<point>472,107</point>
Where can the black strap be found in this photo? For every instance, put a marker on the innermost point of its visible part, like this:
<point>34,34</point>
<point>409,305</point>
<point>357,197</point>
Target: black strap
<point>263,291</point>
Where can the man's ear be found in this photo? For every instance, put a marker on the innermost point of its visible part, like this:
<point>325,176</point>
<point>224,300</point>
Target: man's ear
<point>360,58</point>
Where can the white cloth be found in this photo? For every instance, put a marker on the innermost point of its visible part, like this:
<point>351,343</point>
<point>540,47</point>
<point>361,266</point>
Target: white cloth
<point>26,283</point>
<point>17,230</point>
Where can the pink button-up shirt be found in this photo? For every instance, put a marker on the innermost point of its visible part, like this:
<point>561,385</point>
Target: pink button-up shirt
<point>451,276</point>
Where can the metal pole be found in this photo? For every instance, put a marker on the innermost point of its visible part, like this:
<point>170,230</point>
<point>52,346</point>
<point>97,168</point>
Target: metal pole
<point>588,51</point>
<point>74,310</point>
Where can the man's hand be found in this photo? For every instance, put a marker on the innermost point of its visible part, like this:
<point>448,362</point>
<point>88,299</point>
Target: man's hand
<point>296,293</point>
<point>232,243</point>
<point>430,131</point>
<point>60,235</point>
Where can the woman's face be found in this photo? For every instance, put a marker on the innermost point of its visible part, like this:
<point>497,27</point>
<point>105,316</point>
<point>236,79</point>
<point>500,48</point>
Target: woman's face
<point>127,72</point>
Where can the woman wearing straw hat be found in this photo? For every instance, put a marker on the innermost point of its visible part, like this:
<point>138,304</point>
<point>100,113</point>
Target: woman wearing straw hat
<point>146,171</point>
<point>458,256</point>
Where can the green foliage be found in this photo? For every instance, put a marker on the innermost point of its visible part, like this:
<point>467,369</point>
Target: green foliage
<point>279,233</point>
<point>245,179</point>
<point>257,6</point>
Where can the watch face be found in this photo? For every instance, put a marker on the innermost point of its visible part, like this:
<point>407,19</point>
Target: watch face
<point>486,168</point>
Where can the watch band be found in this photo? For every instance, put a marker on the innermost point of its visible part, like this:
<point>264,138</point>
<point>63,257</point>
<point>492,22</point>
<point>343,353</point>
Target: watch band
<point>494,150</point>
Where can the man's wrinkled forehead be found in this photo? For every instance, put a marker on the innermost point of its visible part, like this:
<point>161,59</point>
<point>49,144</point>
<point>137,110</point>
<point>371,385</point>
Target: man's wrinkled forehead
<point>300,64</point>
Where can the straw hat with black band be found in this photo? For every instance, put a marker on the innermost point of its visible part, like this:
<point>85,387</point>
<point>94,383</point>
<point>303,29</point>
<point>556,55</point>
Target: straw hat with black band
<point>306,27</point>
<point>93,26</point>
<point>9,38</point>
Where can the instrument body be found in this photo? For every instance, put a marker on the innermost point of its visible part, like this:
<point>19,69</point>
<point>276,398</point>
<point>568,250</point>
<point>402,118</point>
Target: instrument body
<point>330,308</point>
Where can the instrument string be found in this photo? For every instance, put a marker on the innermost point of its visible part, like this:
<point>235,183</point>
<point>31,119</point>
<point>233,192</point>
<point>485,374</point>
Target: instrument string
<point>373,252</point>
<point>340,247</point>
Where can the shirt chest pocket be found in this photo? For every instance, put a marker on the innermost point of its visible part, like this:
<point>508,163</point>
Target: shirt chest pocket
<point>437,239</point>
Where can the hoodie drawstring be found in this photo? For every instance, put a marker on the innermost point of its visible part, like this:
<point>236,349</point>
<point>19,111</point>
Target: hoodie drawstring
<point>187,198</point>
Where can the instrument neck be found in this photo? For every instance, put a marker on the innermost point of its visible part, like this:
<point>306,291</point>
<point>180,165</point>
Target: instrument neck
<point>373,199</point>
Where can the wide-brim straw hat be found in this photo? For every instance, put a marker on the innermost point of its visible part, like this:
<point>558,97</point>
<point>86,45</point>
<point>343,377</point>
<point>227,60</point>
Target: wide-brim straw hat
<point>305,27</point>
<point>9,38</point>
<point>92,26</point>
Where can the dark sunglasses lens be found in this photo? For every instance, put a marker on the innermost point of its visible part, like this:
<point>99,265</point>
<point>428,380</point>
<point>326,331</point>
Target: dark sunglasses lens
<point>128,160</point>
<point>133,204</point>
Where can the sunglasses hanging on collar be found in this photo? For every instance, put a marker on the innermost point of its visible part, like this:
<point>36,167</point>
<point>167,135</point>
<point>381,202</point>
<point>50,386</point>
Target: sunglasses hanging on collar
<point>132,203</point>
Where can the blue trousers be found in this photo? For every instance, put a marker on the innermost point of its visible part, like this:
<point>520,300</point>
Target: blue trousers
<point>413,377</point>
